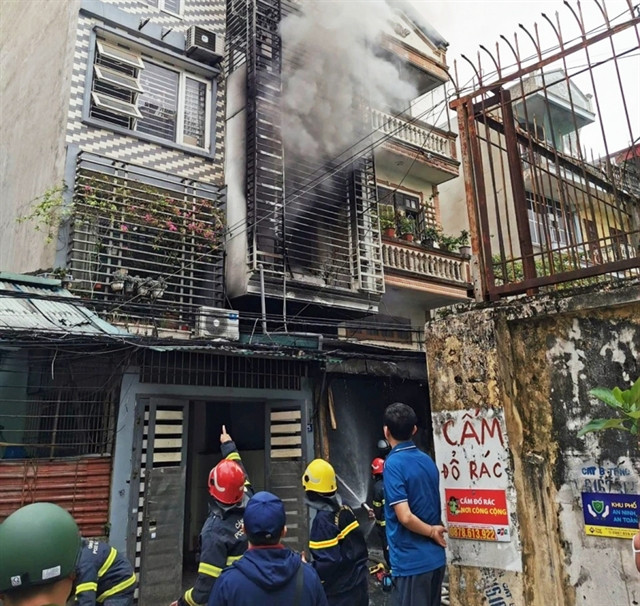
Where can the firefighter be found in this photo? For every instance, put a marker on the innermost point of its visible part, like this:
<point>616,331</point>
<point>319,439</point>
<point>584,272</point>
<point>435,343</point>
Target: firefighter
<point>39,547</point>
<point>103,576</point>
<point>336,541</point>
<point>222,539</point>
<point>377,468</point>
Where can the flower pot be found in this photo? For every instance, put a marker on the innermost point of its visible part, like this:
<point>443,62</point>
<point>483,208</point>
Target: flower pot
<point>407,237</point>
<point>389,232</point>
<point>465,251</point>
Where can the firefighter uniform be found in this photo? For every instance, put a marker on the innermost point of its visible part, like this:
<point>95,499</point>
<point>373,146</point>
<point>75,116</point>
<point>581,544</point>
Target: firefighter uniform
<point>378,510</point>
<point>103,576</point>
<point>339,551</point>
<point>222,539</point>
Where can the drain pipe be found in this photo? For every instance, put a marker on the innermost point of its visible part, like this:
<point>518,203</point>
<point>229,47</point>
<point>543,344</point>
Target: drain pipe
<point>263,302</point>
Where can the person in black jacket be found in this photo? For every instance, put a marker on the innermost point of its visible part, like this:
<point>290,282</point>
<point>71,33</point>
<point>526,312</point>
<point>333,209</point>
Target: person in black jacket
<point>377,468</point>
<point>268,574</point>
<point>222,538</point>
<point>336,541</point>
<point>103,576</point>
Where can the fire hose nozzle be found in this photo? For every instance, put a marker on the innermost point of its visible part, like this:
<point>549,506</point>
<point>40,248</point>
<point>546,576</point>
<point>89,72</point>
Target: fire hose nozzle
<point>365,506</point>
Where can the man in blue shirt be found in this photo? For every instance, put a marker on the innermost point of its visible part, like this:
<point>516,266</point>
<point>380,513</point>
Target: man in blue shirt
<point>412,512</point>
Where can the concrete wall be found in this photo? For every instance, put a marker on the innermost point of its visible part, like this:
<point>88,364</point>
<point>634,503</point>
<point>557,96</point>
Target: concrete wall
<point>36,41</point>
<point>534,361</point>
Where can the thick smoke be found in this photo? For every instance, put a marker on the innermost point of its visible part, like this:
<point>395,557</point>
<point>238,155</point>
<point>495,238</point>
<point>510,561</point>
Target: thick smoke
<point>332,65</point>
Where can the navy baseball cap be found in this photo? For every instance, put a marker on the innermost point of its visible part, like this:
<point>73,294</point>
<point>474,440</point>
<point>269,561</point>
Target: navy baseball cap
<point>264,515</point>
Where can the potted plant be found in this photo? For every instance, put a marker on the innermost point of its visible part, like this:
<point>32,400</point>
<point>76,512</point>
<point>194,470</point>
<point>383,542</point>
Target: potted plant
<point>431,237</point>
<point>406,227</point>
<point>387,220</point>
<point>463,243</point>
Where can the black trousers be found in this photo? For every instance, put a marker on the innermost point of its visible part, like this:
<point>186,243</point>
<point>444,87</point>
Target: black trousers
<point>358,596</point>
<point>420,589</point>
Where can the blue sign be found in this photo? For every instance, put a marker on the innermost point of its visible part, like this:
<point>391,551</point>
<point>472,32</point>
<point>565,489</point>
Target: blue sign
<point>610,515</point>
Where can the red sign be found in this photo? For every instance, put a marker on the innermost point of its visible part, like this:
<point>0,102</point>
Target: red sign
<point>476,506</point>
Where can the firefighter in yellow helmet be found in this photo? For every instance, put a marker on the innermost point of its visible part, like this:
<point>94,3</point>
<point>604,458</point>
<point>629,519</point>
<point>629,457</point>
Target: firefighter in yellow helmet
<point>336,541</point>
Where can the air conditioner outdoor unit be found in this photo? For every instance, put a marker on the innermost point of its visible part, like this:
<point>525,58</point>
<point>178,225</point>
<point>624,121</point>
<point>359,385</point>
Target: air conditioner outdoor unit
<point>203,45</point>
<point>218,324</point>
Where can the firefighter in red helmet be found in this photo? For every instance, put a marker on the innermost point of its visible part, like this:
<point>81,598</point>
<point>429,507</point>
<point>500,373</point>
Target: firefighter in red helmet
<point>222,539</point>
<point>377,469</point>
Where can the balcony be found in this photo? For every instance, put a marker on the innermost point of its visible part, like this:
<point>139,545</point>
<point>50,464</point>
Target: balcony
<point>430,152</point>
<point>445,276</point>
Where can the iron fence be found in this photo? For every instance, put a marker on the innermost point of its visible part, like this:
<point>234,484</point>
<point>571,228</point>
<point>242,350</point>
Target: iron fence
<point>551,155</point>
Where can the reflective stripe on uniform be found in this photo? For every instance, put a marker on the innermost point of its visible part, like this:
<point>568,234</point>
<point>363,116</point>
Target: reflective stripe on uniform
<point>378,503</point>
<point>381,523</point>
<point>347,529</point>
<point>323,544</point>
<point>188,599</point>
<point>107,563</point>
<point>86,587</point>
<point>232,559</point>
<point>209,569</point>
<point>233,456</point>
<point>117,588</point>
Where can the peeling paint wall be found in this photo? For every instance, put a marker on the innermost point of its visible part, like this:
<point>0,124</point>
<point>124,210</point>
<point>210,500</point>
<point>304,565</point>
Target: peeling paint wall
<point>535,360</point>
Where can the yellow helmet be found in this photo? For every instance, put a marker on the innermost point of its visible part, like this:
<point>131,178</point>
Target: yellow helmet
<point>319,476</point>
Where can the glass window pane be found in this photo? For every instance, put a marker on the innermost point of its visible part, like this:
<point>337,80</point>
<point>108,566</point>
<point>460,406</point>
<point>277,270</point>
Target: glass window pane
<point>195,100</point>
<point>172,6</point>
<point>158,104</point>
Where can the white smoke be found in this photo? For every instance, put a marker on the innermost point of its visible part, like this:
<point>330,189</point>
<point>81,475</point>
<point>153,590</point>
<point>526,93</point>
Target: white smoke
<point>332,65</point>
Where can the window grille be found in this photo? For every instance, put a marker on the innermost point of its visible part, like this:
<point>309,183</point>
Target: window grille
<point>135,231</point>
<point>145,97</point>
<point>211,370</point>
<point>69,409</point>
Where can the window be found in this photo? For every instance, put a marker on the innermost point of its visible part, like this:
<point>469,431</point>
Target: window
<point>169,6</point>
<point>410,205</point>
<point>548,224</point>
<point>142,95</point>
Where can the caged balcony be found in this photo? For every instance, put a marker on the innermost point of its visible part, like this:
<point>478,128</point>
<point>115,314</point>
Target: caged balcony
<point>147,247</point>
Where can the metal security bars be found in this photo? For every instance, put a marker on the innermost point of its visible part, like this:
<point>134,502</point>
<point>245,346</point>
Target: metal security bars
<point>311,222</point>
<point>67,410</point>
<point>210,370</point>
<point>550,152</point>
<point>151,241</point>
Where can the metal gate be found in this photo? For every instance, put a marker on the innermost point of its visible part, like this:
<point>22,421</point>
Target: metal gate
<point>160,501</point>
<point>551,156</point>
<point>284,466</point>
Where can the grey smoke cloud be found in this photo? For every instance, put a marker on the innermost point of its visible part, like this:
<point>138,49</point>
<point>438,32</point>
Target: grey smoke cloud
<point>332,62</point>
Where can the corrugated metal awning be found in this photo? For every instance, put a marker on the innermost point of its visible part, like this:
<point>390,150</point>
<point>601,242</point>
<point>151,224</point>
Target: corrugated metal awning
<point>38,305</point>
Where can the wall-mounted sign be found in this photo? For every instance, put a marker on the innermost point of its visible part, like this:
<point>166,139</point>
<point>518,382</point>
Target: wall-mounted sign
<point>476,483</point>
<point>608,514</point>
<point>477,514</point>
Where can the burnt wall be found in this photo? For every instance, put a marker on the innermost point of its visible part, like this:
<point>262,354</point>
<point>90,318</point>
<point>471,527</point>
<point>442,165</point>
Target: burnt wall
<point>534,361</point>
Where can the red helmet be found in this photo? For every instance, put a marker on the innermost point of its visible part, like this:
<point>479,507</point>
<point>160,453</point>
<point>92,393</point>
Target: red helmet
<point>377,466</point>
<point>226,482</point>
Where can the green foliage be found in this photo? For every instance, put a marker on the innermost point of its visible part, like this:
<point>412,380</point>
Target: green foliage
<point>406,225</point>
<point>387,217</point>
<point>511,271</point>
<point>626,403</point>
<point>446,242</point>
<point>48,212</point>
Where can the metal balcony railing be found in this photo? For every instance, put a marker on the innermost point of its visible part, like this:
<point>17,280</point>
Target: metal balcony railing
<point>425,264</point>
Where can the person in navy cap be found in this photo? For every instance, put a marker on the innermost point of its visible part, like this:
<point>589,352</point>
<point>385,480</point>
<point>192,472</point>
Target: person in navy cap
<point>268,574</point>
